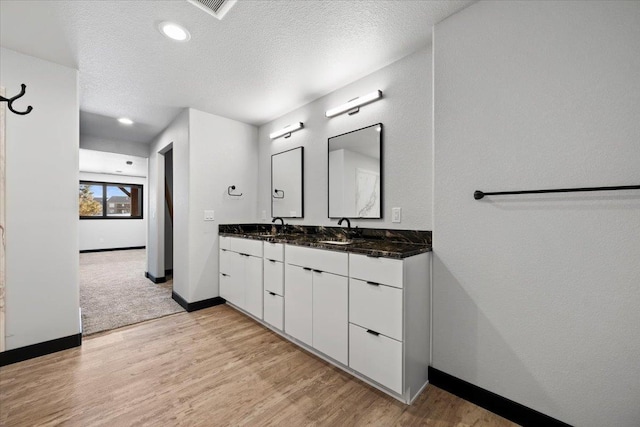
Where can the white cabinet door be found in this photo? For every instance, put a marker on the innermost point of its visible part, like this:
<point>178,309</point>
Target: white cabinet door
<point>252,278</point>
<point>231,282</point>
<point>298,303</point>
<point>226,289</point>
<point>330,315</point>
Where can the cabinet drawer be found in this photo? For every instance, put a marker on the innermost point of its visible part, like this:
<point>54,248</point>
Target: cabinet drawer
<point>376,307</point>
<point>224,242</point>
<point>246,246</point>
<point>380,270</point>
<point>274,310</point>
<point>318,259</point>
<point>274,251</point>
<point>274,276</point>
<point>226,261</point>
<point>376,356</point>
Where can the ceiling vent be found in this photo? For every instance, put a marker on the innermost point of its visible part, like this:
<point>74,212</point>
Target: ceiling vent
<point>217,8</point>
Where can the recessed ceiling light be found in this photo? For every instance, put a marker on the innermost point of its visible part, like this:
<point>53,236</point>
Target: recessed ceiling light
<point>125,121</point>
<point>174,31</point>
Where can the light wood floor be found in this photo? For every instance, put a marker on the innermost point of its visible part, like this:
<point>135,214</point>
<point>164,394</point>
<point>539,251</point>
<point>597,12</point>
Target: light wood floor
<point>213,367</point>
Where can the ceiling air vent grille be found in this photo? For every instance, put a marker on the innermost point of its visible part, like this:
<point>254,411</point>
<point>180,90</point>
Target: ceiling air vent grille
<point>217,8</point>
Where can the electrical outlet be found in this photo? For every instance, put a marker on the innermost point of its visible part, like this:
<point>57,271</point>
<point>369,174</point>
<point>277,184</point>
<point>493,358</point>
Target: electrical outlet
<point>396,215</point>
<point>209,215</point>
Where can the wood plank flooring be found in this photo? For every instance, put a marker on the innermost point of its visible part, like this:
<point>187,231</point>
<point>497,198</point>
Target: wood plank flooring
<point>213,367</point>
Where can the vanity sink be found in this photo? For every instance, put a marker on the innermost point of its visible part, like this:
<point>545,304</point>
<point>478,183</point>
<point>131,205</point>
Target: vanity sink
<point>337,242</point>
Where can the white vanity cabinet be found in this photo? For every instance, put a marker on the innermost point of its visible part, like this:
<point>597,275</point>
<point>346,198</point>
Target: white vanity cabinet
<point>389,321</point>
<point>241,273</point>
<point>316,299</point>
<point>368,315</point>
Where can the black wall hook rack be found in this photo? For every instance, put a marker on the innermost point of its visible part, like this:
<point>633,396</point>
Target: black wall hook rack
<point>480,194</point>
<point>10,101</point>
<point>230,189</point>
<point>277,193</point>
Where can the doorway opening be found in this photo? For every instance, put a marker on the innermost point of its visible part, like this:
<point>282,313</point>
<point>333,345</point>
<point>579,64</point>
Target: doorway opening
<point>113,211</point>
<point>168,214</point>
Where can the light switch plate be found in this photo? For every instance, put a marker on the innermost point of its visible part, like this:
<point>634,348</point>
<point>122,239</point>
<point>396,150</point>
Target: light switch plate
<point>209,215</point>
<point>396,215</point>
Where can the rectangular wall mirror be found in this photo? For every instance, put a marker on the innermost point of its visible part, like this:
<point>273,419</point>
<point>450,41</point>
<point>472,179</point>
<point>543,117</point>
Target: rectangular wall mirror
<point>287,198</point>
<point>355,174</point>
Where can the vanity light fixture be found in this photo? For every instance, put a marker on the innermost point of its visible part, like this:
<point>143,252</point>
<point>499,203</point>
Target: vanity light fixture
<point>174,31</point>
<point>354,105</point>
<point>125,121</point>
<point>286,131</point>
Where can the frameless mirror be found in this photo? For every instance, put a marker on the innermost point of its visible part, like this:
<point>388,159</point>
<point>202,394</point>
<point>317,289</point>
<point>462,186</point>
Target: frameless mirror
<point>355,181</point>
<point>287,183</point>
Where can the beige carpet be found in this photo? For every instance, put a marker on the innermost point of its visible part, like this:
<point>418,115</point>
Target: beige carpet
<point>115,293</point>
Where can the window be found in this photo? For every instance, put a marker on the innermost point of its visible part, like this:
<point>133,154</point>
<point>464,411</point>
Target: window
<point>105,200</point>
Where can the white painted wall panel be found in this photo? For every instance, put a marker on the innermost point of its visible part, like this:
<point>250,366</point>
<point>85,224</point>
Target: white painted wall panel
<point>222,152</point>
<point>176,135</point>
<point>210,153</point>
<point>405,112</point>
<point>42,296</point>
<point>536,297</point>
<point>95,143</point>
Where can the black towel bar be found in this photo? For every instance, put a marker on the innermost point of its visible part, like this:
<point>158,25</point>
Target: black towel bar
<point>480,194</point>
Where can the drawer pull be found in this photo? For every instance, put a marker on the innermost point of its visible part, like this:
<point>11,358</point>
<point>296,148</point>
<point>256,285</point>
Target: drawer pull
<point>225,275</point>
<point>272,293</point>
<point>369,331</point>
<point>373,283</point>
<point>245,254</point>
<point>223,250</point>
<point>318,271</point>
<point>272,260</point>
<point>307,268</point>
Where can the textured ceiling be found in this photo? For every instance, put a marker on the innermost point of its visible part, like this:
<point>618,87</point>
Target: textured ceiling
<point>264,59</point>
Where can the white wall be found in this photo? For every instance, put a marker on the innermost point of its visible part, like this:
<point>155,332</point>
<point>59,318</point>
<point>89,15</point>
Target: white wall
<point>536,297</point>
<point>114,233</point>
<point>404,111</point>
<point>95,143</point>
<point>42,296</point>
<point>210,153</point>
<point>175,136</point>
<point>223,152</point>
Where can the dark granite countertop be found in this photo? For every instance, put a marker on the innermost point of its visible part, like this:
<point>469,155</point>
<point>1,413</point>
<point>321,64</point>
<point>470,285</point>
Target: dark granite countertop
<point>386,243</point>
